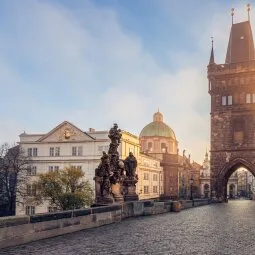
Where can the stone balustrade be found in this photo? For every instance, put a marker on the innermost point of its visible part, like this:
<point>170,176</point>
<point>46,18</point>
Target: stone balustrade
<point>18,230</point>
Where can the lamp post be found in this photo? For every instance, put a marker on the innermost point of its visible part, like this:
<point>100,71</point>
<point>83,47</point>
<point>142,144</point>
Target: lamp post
<point>191,188</point>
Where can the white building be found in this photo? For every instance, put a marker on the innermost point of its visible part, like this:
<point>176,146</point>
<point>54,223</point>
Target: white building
<point>67,145</point>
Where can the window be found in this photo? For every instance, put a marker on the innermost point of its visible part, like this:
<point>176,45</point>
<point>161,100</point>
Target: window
<point>74,151</point>
<point>31,170</point>
<point>57,151</point>
<point>155,177</point>
<point>77,167</point>
<point>80,151</point>
<point>52,209</point>
<point>229,100</point>
<point>30,210</point>
<point>226,100</point>
<point>250,98</point>
<point>163,147</point>
<point>35,152</point>
<point>51,151</point>
<point>150,146</point>
<point>146,176</point>
<point>29,152</point>
<point>146,189</point>
<point>53,168</point>
<point>31,190</point>
<point>77,151</point>
<point>155,189</point>
<point>32,152</point>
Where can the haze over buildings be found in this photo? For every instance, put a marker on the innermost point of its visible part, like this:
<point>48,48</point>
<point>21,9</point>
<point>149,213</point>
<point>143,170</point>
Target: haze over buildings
<point>98,62</point>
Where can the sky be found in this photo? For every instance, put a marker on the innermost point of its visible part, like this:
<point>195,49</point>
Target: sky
<point>95,63</point>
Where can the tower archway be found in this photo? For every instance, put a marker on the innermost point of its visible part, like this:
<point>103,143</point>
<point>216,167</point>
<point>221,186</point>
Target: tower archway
<point>220,182</point>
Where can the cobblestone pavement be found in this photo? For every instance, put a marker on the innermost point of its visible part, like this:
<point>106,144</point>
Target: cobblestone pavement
<point>214,229</point>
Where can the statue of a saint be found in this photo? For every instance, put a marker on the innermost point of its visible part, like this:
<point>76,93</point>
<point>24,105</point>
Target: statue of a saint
<point>131,164</point>
<point>115,134</point>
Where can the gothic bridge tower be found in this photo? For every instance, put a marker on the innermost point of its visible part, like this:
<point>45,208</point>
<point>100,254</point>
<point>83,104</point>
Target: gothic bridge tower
<point>232,91</point>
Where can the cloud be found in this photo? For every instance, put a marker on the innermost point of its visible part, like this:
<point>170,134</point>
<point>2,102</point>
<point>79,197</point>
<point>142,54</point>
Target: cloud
<point>81,64</point>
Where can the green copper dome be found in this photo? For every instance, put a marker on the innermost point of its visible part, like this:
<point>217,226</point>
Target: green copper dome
<point>158,128</point>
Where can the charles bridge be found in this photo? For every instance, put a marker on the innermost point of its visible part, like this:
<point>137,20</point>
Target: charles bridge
<point>222,228</point>
<point>207,228</point>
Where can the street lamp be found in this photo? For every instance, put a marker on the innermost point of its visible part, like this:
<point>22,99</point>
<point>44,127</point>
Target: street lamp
<point>191,186</point>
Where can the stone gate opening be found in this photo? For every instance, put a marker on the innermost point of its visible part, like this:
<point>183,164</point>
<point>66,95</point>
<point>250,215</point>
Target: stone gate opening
<point>229,183</point>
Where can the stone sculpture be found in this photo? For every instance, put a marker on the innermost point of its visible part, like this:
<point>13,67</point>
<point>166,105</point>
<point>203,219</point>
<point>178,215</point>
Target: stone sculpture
<point>102,179</point>
<point>110,174</point>
<point>131,164</point>
<point>131,178</point>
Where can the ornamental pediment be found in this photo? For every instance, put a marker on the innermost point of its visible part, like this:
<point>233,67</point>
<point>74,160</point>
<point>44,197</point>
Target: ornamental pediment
<point>65,132</point>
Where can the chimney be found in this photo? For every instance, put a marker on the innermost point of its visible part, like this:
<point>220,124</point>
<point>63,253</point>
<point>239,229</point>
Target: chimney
<point>92,130</point>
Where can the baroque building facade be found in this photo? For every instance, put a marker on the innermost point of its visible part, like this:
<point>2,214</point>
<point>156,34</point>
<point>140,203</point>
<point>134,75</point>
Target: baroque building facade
<point>158,140</point>
<point>231,87</point>
<point>67,145</point>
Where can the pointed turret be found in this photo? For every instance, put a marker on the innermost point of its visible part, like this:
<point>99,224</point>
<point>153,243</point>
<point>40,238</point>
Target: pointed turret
<point>206,154</point>
<point>211,62</point>
<point>240,45</point>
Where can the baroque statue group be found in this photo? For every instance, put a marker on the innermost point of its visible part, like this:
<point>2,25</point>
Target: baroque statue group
<point>115,178</point>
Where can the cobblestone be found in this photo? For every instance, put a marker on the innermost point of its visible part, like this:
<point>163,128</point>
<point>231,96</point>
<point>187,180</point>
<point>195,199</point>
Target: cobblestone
<point>215,229</point>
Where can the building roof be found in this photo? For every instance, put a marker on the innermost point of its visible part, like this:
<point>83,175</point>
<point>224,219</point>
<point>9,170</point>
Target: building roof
<point>158,128</point>
<point>240,45</point>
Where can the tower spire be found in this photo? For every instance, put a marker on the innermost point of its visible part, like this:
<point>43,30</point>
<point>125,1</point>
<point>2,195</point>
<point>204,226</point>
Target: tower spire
<point>248,11</point>
<point>232,14</point>
<point>211,62</point>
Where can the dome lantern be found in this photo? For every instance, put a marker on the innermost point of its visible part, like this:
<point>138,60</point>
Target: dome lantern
<point>158,117</point>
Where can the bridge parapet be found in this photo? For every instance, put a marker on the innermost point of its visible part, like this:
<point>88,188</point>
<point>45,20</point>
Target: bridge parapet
<point>16,230</point>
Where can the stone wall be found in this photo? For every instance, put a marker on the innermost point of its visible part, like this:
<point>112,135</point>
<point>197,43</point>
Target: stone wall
<point>18,230</point>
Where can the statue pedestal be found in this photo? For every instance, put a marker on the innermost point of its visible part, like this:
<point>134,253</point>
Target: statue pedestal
<point>116,191</point>
<point>131,190</point>
<point>104,200</point>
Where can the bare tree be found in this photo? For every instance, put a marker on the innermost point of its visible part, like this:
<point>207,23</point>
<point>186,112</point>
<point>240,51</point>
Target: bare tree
<point>14,174</point>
